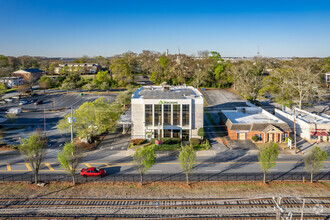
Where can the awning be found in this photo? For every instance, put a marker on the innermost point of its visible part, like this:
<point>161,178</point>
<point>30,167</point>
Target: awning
<point>316,134</point>
<point>319,133</point>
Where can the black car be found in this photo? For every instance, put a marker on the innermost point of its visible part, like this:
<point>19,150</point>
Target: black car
<point>38,102</point>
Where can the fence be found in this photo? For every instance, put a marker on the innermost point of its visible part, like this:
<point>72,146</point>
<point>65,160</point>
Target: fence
<point>177,177</point>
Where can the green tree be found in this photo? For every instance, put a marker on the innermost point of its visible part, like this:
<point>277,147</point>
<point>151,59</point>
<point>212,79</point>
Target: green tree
<point>122,72</point>
<point>45,82</point>
<point>70,158</point>
<point>102,76</point>
<point>314,160</point>
<point>68,85</point>
<point>92,118</point>
<point>268,157</point>
<point>33,150</point>
<point>144,158</point>
<point>124,98</point>
<point>201,132</point>
<point>187,159</point>
<point>3,89</point>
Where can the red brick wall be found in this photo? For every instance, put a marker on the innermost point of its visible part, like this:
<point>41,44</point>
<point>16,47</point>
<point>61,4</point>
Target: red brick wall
<point>232,134</point>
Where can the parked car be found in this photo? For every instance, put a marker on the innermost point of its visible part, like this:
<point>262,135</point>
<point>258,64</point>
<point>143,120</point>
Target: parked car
<point>9,100</point>
<point>38,102</point>
<point>23,102</point>
<point>3,102</point>
<point>34,100</point>
<point>34,94</point>
<point>14,110</point>
<point>92,171</point>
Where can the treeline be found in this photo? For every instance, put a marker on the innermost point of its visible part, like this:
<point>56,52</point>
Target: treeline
<point>289,81</point>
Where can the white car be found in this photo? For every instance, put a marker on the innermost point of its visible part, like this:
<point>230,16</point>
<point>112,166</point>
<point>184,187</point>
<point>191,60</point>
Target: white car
<point>23,102</point>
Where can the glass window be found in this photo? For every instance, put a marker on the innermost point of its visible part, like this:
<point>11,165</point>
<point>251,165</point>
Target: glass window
<point>176,133</point>
<point>148,114</point>
<point>156,134</point>
<point>185,115</point>
<point>158,114</point>
<point>176,114</point>
<point>185,135</point>
<point>167,133</point>
<point>167,114</point>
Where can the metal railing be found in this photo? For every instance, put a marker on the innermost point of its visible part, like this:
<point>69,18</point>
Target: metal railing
<point>177,177</point>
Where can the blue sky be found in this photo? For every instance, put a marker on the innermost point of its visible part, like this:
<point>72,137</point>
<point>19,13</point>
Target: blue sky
<point>233,28</point>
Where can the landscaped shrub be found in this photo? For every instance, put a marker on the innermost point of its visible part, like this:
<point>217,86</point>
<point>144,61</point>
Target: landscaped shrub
<point>168,144</point>
<point>194,142</point>
<point>287,139</point>
<point>255,138</point>
<point>205,145</point>
<point>138,141</point>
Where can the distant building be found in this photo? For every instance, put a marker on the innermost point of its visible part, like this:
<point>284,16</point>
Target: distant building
<point>308,125</point>
<point>28,74</point>
<point>327,79</point>
<point>167,111</point>
<point>12,81</point>
<point>246,122</point>
<point>84,68</point>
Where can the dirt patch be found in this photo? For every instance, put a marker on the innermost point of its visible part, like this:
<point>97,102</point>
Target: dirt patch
<point>165,190</point>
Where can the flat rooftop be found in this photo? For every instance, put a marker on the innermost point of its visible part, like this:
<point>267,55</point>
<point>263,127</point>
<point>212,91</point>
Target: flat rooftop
<point>171,92</point>
<point>252,117</point>
<point>309,117</point>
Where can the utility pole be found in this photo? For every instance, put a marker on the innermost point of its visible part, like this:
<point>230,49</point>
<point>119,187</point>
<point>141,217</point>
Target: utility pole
<point>159,138</point>
<point>294,130</point>
<point>44,121</point>
<point>71,125</point>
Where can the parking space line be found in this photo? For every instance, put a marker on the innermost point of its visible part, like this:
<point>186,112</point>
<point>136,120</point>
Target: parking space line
<point>87,164</point>
<point>28,167</point>
<point>49,167</point>
<point>8,167</point>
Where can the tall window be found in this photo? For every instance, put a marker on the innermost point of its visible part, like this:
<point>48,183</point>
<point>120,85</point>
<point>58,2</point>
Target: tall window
<point>185,115</point>
<point>167,114</point>
<point>167,133</point>
<point>156,134</point>
<point>176,114</point>
<point>148,114</point>
<point>176,133</point>
<point>158,114</point>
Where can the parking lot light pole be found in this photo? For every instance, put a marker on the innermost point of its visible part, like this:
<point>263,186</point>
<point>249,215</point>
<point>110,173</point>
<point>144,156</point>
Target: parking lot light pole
<point>71,125</point>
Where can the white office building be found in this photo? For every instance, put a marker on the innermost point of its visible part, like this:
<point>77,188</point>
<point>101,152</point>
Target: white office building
<point>171,111</point>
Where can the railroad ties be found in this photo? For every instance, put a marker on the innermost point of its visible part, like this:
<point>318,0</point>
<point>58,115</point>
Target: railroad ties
<point>211,208</point>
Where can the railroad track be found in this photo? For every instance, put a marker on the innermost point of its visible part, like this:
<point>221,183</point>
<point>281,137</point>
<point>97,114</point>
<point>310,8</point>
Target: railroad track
<point>162,203</point>
<point>211,208</point>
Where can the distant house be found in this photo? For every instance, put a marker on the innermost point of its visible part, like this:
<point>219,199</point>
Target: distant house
<point>28,74</point>
<point>327,79</point>
<point>309,126</point>
<point>246,122</point>
<point>12,81</point>
<point>84,68</point>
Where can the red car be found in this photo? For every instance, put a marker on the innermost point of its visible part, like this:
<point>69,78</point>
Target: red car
<point>92,171</point>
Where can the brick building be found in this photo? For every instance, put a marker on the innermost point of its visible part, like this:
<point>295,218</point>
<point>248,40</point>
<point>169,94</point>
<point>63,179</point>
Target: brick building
<point>246,122</point>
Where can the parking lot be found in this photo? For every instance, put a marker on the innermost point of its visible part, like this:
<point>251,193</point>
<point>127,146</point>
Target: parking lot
<point>33,117</point>
<point>223,99</point>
